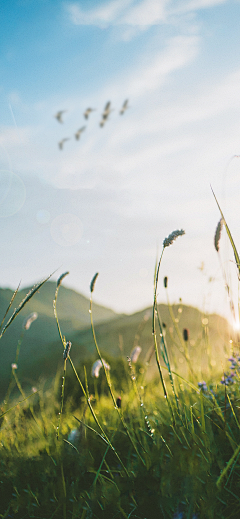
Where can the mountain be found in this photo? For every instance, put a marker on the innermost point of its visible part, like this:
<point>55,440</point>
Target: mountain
<point>73,314</point>
<point>41,348</point>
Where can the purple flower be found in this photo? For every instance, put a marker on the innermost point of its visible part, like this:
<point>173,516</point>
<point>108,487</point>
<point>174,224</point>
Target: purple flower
<point>228,379</point>
<point>202,385</point>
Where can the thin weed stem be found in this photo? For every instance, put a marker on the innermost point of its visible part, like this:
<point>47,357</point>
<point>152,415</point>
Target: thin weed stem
<point>110,385</point>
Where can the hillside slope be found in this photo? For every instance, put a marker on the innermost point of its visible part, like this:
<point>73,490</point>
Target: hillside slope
<point>41,355</point>
<point>73,313</point>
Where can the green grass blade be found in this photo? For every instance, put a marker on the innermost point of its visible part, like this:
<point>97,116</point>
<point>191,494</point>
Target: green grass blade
<point>30,294</point>
<point>237,259</point>
<point>10,304</point>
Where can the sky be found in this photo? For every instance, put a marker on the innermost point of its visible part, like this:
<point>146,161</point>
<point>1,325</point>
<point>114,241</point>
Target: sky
<point>105,203</point>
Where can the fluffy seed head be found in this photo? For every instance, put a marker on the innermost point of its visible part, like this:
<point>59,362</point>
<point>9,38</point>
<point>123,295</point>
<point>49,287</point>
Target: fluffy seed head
<point>135,354</point>
<point>170,239</point>
<point>29,320</point>
<point>67,350</point>
<point>97,366</point>
<point>218,234</point>
<point>14,366</point>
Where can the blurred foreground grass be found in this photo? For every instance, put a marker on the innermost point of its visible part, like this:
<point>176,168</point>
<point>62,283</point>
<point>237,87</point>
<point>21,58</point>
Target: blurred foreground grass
<point>187,469</point>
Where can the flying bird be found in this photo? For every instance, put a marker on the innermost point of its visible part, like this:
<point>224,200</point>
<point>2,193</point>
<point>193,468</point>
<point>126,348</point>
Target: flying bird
<point>88,111</point>
<point>58,115</point>
<point>61,143</point>
<point>124,107</point>
<point>107,110</point>
<point>79,132</point>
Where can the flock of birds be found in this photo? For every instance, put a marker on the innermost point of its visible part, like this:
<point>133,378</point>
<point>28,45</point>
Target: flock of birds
<point>105,115</point>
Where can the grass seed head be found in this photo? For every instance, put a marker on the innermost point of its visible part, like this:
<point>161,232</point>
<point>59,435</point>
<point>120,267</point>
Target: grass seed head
<point>119,402</point>
<point>170,239</point>
<point>218,234</point>
<point>135,354</point>
<point>29,320</point>
<point>97,366</point>
<point>185,334</point>
<point>92,284</point>
<point>67,350</point>
<point>165,282</point>
<point>59,281</point>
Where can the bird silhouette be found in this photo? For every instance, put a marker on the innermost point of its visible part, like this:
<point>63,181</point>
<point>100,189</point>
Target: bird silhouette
<point>124,107</point>
<point>88,111</point>
<point>79,132</point>
<point>107,110</point>
<point>61,143</point>
<point>58,115</point>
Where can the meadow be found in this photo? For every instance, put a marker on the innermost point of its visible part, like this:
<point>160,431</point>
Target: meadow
<point>123,435</point>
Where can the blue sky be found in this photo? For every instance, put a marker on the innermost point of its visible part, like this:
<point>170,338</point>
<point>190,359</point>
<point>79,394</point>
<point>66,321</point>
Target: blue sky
<point>106,202</point>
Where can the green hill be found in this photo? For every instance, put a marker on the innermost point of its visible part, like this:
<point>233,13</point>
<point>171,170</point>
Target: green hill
<point>41,349</point>
<point>73,313</point>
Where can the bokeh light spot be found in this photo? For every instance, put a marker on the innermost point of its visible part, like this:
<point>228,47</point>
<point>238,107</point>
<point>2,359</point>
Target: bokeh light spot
<point>66,229</point>
<point>43,216</point>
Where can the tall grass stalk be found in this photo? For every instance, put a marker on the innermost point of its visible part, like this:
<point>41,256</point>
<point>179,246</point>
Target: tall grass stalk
<point>88,400</point>
<point>108,379</point>
<point>167,242</point>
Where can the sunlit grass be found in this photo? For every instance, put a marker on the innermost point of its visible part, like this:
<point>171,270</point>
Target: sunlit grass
<point>112,443</point>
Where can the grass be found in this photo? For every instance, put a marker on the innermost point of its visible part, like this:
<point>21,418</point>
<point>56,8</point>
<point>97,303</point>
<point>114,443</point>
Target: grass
<point>125,445</point>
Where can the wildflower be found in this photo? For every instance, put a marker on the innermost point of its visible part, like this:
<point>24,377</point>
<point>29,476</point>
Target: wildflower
<point>218,234</point>
<point>135,354</point>
<point>170,239</point>
<point>185,334</point>
<point>202,385</point>
<point>97,366</point>
<point>165,282</point>
<point>34,389</point>
<point>228,379</point>
<point>29,320</point>
<point>14,366</point>
<point>67,350</point>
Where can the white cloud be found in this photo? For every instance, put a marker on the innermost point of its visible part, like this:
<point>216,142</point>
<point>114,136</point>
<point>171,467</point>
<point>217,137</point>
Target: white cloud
<point>194,5</point>
<point>179,52</point>
<point>134,13</point>
<point>100,16</point>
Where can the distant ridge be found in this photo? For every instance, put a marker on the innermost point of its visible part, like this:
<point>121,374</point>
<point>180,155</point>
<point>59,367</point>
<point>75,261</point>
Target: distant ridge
<point>73,314</point>
<point>41,349</point>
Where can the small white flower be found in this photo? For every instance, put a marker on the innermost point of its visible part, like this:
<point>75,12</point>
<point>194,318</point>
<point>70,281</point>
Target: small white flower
<point>97,366</point>
<point>29,320</point>
<point>135,354</point>
<point>34,389</point>
<point>14,366</point>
